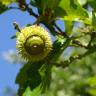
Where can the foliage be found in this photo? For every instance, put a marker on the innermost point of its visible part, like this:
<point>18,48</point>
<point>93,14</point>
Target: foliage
<point>72,59</point>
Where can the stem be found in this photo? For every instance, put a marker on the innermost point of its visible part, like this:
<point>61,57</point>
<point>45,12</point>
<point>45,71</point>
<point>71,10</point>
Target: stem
<point>30,11</point>
<point>79,44</point>
<point>57,27</point>
<point>16,26</point>
<point>62,33</point>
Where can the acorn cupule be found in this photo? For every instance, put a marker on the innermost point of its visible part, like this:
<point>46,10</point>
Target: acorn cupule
<point>34,43</point>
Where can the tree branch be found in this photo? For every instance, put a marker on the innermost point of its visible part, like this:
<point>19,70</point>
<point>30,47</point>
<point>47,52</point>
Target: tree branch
<point>62,33</point>
<point>30,11</point>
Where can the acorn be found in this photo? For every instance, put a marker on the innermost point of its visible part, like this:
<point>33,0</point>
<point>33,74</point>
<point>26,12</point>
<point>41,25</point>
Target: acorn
<point>33,43</point>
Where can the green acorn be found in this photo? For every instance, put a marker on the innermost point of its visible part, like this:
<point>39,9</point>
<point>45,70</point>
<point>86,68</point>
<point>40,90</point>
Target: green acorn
<point>33,43</point>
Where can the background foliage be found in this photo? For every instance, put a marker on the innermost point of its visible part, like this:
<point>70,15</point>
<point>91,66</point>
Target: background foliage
<point>69,69</point>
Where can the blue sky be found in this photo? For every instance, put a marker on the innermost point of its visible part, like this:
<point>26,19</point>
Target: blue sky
<point>9,71</point>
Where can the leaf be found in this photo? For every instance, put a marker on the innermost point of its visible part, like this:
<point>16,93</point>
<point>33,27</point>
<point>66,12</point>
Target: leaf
<point>92,91</point>
<point>6,2</point>
<point>45,72</point>
<point>36,3</point>
<point>92,81</point>
<point>51,3</point>
<point>93,20</point>
<point>59,12</point>
<point>65,5</point>
<point>3,8</point>
<point>92,3</point>
<point>36,76</point>
<point>73,9</point>
<point>28,76</point>
<point>82,2</point>
<point>59,47</point>
<point>35,92</point>
<point>68,26</point>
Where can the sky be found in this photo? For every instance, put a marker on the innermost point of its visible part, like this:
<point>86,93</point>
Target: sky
<point>9,71</point>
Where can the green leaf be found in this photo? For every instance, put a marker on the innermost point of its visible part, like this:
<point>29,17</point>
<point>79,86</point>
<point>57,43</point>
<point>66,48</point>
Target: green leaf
<point>92,3</point>
<point>92,91</point>
<point>36,3</point>
<point>92,81</point>
<point>65,5</point>
<point>68,26</point>
<point>59,47</point>
<point>45,72</point>
<point>59,12</point>
<point>35,92</point>
<point>6,2</point>
<point>36,76</point>
<point>93,20</point>
<point>56,48</point>
<point>82,2</point>
<point>3,8</point>
<point>51,3</point>
<point>73,9</point>
<point>28,76</point>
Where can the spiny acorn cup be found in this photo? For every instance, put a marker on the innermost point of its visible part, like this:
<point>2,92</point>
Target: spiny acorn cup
<point>33,43</point>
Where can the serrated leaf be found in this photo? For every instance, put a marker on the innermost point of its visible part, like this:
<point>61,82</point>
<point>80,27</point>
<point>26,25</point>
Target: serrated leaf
<point>32,76</point>
<point>28,76</point>
<point>36,92</point>
<point>73,10</point>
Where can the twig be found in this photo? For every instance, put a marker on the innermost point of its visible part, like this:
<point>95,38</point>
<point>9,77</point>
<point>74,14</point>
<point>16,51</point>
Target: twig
<point>30,11</point>
<point>79,44</point>
<point>57,27</point>
<point>63,64</point>
<point>90,51</point>
<point>51,28</point>
<point>62,33</point>
<point>24,6</point>
<point>16,26</point>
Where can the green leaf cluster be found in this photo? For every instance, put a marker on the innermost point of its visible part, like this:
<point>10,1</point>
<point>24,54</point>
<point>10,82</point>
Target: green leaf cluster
<point>33,79</point>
